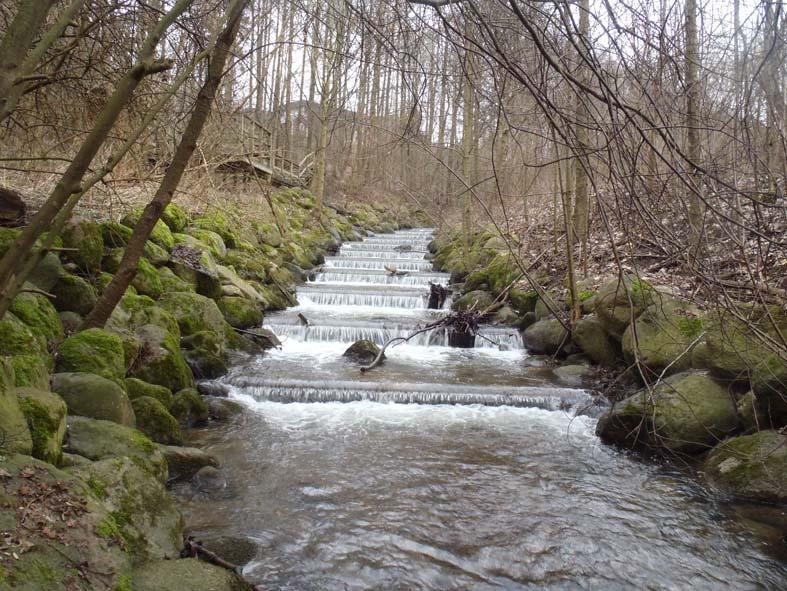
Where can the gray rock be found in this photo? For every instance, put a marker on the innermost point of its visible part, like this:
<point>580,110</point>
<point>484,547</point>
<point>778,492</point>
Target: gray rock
<point>92,396</point>
<point>209,479</point>
<point>362,351</point>
<point>185,462</point>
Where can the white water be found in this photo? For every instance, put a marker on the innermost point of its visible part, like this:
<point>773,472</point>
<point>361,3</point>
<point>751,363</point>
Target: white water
<point>444,469</point>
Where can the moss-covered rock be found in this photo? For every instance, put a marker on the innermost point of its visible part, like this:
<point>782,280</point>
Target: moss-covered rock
<point>47,272</point>
<point>663,336</point>
<point>16,338</point>
<point>31,370</point>
<point>45,413</point>
<point>523,301</point>
<point>212,240</point>
<point>14,432</point>
<point>71,321</point>
<point>228,276</point>
<point>546,336</point>
<point>137,388</point>
<point>133,312</point>
<point>475,300</point>
<point>619,302</point>
<point>73,294</point>
<point>590,336</point>
<point>205,364</point>
<point>93,396</point>
<point>363,351</point>
<point>184,462</point>
<point>189,408</point>
<point>86,238</point>
<point>171,282</point>
<point>51,552</point>
<point>100,440</point>
<point>185,575</point>
<point>96,351</point>
<point>175,217</point>
<point>249,266</point>
<point>163,362</point>
<point>193,312</point>
<point>506,316</point>
<point>157,255</point>
<point>494,276</point>
<point>146,281</point>
<point>688,412</point>
<point>115,234</point>
<point>143,519</point>
<point>37,312</point>
<point>161,234</point>
<point>241,312</point>
<point>752,467</point>
<point>154,420</point>
<point>220,224</point>
<point>269,234</point>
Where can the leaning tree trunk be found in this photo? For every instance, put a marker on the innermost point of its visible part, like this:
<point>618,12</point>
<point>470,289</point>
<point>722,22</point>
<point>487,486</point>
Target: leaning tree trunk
<point>70,183</point>
<point>188,142</point>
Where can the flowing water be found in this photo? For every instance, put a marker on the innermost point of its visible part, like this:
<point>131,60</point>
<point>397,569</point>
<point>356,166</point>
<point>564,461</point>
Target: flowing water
<point>446,468</point>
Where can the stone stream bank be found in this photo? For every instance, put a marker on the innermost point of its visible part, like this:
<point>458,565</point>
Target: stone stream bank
<point>91,422</point>
<point>722,402</point>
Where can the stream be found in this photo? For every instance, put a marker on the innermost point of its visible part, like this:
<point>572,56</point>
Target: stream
<point>447,468</point>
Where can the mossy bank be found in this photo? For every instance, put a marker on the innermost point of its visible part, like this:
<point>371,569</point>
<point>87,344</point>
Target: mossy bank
<point>91,420</point>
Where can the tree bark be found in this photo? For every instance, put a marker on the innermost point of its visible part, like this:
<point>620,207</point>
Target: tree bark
<point>188,142</point>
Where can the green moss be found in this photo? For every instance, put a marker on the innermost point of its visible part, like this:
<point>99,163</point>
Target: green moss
<point>115,234</point>
<point>97,487</point>
<point>37,312</point>
<point>137,388</point>
<point>189,408</point>
<point>689,327</point>
<point>175,217</point>
<point>161,234</point>
<point>240,312</point>
<point>45,414</point>
<point>124,583</point>
<point>74,294</point>
<point>154,420</point>
<point>16,338</point>
<point>211,239</point>
<point>86,237</point>
<point>7,238</point>
<point>220,224</point>
<point>171,282</point>
<point>112,528</point>
<point>31,370</point>
<point>95,351</point>
<point>147,281</point>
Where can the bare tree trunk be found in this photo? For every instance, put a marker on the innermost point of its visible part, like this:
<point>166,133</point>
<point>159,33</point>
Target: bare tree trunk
<point>692,124</point>
<point>581,205</point>
<point>70,182</point>
<point>188,142</point>
<point>17,41</point>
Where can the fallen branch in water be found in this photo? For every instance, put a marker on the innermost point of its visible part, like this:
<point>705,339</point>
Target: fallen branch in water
<point>303,319</point>
<point>194,549</point>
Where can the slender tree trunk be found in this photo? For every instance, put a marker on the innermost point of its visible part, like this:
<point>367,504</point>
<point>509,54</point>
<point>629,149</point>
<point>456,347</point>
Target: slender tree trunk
<point>18,40</point>
<point>70,183</point>
<point>152,213</point>
<point>581,204</point>
<point>692,124</point>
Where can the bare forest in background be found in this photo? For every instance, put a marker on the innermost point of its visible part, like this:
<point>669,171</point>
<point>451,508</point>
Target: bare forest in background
<point>595,135</point>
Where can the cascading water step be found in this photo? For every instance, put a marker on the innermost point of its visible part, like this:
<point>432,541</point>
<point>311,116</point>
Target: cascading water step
<point>294,390</point>
<point>380,277</point>
<point>377,263</point>
<point>354,295</point>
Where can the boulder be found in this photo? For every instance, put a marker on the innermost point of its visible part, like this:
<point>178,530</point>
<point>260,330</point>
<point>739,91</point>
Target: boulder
<point>506,316</point>
<point>163,362</point>
<point>143,518</point>
<point>265,338</point>
<point>146,281</point>
<point>86,238</point>
<point>189,408</point>
<point>752,467</point>
<point>211,239</point>
<point>31,370</point>
<point>186,574</point>
<point>100,440</point>
<point>241,312</point>
<point>38,313</point>
<point>157,255</point>
<point>362,351</point>
<point>546,337</point>
<point>620,302</point>
<point>71,321</point>
<point>13,209</point>
<point>171,282</point>
<point>221,409</point>
<point>666,332</point>
<point>154,420</point>
<point>93,396</point>
<point>134,312</point>
<point>209,479</point>
<point>572,375</point>
<point>208,388</point>
<point>160,234</point>
<point>477,300</point>
<point>68,513</point>
<point>194,313</point>
<point>16,338</point>
<point>115,234</point>
<point>230,277</point>
<point>234,550</point>
<point>73,294</point>
<point>175,217</point>
<point>185,462</point>
<point>590,336</point>
<point>14,433</point>
<point>688,412</point>
<point>93,351</point>
<point>45,413</point>
<point>220,224</point>
<point>205,364</point>
<point>47,272</point>
<point>137,388</point>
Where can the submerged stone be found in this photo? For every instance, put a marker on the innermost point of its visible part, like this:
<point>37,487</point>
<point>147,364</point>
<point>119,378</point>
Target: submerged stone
<point>362,351</point>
